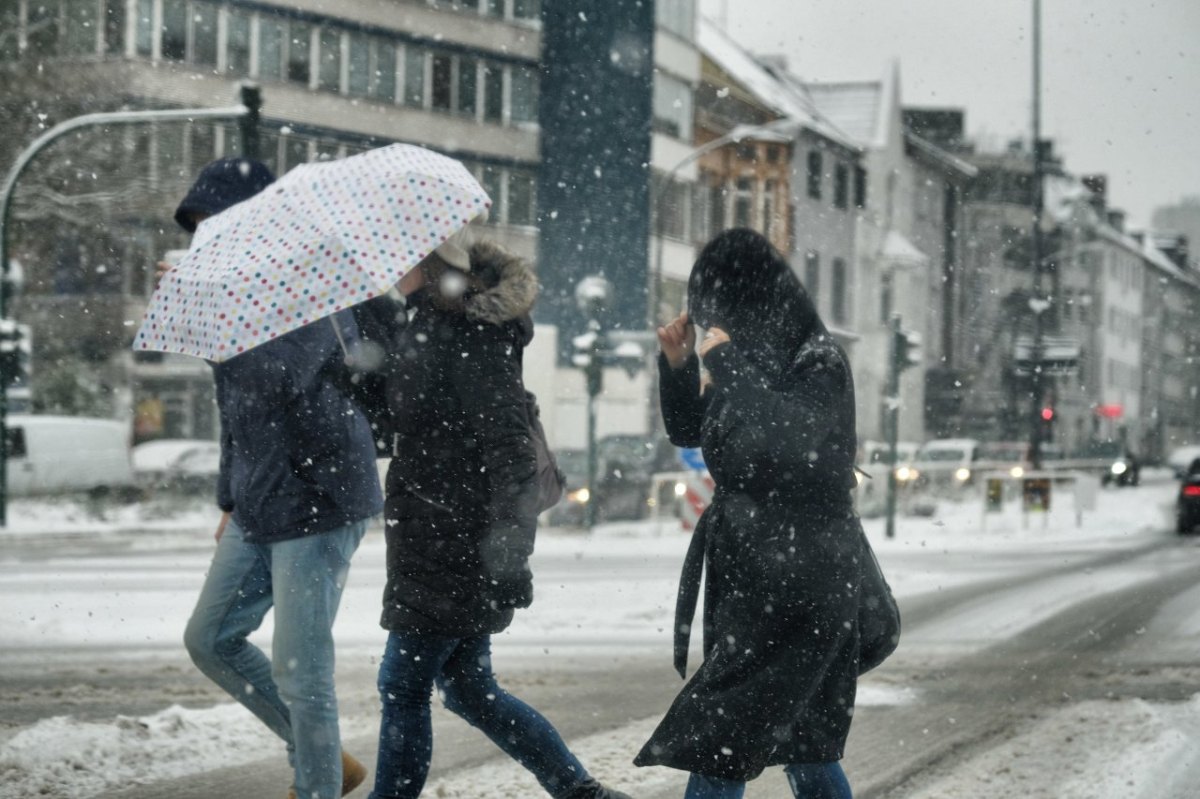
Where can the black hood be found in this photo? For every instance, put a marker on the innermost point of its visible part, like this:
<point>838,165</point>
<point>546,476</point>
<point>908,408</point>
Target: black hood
<point>220,185</point>
<point>743,285</point>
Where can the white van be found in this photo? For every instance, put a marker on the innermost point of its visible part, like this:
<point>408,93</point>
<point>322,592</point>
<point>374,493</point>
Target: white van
<point>59,454</point>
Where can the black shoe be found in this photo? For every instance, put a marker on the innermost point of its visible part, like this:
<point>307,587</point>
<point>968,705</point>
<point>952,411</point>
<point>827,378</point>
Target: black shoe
<point>594,790</point>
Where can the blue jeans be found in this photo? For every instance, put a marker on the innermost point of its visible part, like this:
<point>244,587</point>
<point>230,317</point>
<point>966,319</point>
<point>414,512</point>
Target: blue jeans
<point>462,669</point>
<point>293,692</point>
<point>808,781</point>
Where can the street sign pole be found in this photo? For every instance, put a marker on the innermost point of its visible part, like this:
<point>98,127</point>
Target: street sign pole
<point>892,416</point>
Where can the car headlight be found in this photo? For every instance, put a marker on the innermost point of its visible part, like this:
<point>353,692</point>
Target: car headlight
<point>906,473</point>
<point>680,489</point>
<point>1119,467</point>
<point>1017,471</point>
<point>579,496</point>
<point>962,475</point>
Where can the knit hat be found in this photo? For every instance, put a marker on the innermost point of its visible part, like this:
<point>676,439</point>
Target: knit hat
<point>222,184</point>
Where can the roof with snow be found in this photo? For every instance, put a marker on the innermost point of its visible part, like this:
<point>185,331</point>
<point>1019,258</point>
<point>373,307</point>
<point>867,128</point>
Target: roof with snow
<point>854,107</point>
<point>785,97</point>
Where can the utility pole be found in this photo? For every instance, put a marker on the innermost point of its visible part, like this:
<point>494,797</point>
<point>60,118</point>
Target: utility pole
<point>903,352</point>
<point>1037,302</point>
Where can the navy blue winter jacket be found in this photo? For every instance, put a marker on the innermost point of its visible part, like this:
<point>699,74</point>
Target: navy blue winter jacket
<point>297,457</point>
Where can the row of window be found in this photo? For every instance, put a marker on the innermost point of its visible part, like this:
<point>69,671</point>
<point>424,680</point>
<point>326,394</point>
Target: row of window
<point>518,10</point>
<point>816,177</point>
<point>258,44</point>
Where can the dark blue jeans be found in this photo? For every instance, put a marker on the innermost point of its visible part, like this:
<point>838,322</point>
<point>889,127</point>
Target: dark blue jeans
<point>808,781</point>
<point>462,670</point>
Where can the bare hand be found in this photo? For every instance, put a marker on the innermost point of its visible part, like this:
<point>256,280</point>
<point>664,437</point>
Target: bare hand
<point>715,337</point>
<point>160,271</point>
<point>221,526</point>
<point>677,339</point>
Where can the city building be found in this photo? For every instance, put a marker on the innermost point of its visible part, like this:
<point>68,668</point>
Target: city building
<point>908,218</point>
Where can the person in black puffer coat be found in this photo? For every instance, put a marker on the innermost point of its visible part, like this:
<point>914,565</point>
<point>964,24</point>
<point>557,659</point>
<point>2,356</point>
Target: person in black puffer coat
<point>460,512</point>
<point>780,541</point>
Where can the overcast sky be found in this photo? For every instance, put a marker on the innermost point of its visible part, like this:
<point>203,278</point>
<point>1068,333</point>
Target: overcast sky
<point>1121,77</point>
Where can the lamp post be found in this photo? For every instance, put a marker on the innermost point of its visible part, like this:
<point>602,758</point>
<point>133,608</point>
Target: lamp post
<point>1037,303</point>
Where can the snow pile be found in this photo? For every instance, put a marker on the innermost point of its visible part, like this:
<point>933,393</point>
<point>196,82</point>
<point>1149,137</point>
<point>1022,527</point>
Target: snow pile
<point>71,515</point>
<point>63,758</point>
<point>1128,748</point>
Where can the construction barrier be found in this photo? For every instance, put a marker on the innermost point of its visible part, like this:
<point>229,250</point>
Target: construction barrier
<point>697,496</point>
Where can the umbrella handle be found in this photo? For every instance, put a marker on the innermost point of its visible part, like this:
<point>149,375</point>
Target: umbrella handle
<point>337,331</point>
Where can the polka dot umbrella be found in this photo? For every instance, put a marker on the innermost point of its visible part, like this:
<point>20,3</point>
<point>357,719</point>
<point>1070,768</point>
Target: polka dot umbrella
<point>322,238</point>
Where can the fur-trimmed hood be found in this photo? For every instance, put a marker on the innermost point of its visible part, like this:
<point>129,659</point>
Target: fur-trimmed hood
<point>503,289</point>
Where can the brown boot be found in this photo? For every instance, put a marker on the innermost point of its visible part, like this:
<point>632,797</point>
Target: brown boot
<point>353,774</point>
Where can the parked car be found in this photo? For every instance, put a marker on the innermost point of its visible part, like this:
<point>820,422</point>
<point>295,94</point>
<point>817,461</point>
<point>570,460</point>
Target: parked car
<point>178,464</point>
<point>1016,457</point>
<point>1188,505</point>
<point>63,454</point>
<point>625,469</point>
<point>1111,460</point>
<point>1181,458</point>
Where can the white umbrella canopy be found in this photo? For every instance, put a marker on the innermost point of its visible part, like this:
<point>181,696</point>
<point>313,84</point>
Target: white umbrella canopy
<point>322,238</point>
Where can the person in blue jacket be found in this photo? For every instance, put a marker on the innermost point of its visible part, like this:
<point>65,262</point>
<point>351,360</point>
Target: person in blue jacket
<point>297,485</point>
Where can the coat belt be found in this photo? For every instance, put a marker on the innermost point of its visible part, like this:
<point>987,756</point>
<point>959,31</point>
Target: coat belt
<point>689,586</point>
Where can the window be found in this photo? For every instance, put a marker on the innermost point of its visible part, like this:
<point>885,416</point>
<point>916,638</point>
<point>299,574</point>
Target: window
<point>203,146</point>
<point>860,187</point>
<point>41,29</point>
<point>838,290</point>
<point>677,16</point>
<point>841,186</point>
<point>237,43</point>
<point>491,179</point>
<point>769,221</point>
<point>144,28</point>
<point>272,39</point>
<point>358,62</point>
<point>385,71</point>
<point>82,21</point>
<point>674,207</point>
<point>414,77</point>
<point>521,203</point>
<point>494,8</point>
<point>743,203</point>
<point>299,53</point>
<point>269,149</point>
<point>174,30</point>
<point>295,152</point>
<point>812,274</point>
<point>329,76</point>
<point>443,81</point>
<point>527,9</point>
<point>493,93</point>
<point>814,174</point>
<point>204,35</point>
<point>885,297</point>
<point>672,107</point>
<point>716,208</point>
<point>524,94</point>
<point>10,24</point>
<point>468,82</point>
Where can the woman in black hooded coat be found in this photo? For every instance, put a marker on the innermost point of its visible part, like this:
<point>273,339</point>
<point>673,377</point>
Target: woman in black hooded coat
<point>780,540</point>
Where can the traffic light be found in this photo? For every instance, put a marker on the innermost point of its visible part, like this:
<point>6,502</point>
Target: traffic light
<point>14,352</point>
<point>906,349</point>
<point>1049,416</point>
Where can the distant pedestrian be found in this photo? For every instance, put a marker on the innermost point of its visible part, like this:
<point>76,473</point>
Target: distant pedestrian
<point>461,515</point>
<point>781,542</point>
<point>297,485</point>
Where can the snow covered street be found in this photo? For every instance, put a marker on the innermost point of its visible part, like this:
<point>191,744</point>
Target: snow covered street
<point>1038,660</point>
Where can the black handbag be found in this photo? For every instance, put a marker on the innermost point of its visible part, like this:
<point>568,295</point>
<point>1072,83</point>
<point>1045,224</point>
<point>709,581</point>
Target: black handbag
<point>878,613</point>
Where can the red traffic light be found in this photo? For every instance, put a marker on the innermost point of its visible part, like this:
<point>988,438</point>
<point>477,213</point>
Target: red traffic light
<point>1048,414</point>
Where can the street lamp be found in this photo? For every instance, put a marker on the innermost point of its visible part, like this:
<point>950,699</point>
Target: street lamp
<point>593,351</point>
